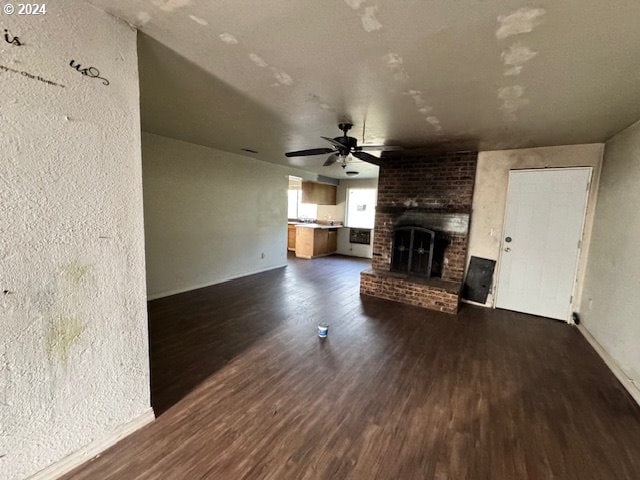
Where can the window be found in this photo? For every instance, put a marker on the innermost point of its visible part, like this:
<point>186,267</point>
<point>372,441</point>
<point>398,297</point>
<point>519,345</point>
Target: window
<point>307,210</point>
<point>299,210</point>
<point>361,207</point>
<point>293,203</point>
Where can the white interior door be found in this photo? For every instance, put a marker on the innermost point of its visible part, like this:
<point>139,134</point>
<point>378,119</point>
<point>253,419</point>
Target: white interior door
<point>543,227</point>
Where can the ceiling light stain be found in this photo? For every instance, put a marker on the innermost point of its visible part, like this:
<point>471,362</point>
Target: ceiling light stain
<point>394,60</point>
<point>282,77</point>
<point>515,57</point>
<point>513,71</point>
<point>369,21</point>
<point>171,5</point>
<point>423,108</point>
<point>355,4</point>
<point>513,100</point>
<point>143,18</point>
<point>395,63</point>
<point>417,97</point>
<point>313,98</point>
<point>258,60</point>
<point>199,21</point>
<point>228,38</point>
<point>435,123</point>
<point>524,20</point>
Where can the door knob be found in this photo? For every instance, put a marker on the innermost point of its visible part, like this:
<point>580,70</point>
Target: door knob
<point>508,239</point>
<point>507,249</point>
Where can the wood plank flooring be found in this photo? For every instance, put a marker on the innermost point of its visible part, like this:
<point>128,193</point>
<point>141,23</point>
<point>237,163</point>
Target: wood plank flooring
<point>246,390</point>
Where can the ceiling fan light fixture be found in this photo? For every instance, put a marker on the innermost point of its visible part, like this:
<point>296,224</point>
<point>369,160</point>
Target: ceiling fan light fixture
<point>342,148</point>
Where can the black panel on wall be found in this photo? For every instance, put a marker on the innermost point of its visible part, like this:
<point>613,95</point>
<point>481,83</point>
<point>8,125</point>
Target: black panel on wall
<point>479,278</point>
<point>360,235</point>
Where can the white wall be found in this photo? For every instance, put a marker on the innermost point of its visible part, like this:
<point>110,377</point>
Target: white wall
<point>337,213</point>
<point>611,297</point>
<point>73,327</point>
<point>490,196</point>
<point>209,215</point>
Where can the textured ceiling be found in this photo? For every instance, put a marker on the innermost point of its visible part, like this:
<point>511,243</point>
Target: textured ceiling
<point>275,75</point>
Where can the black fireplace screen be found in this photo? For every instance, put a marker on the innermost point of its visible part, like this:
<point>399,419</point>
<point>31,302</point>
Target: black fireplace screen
<point>418,251</point>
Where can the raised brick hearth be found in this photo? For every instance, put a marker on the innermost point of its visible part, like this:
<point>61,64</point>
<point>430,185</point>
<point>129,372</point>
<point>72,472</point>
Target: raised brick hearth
<point>435,295</point>
<point>433,191</point>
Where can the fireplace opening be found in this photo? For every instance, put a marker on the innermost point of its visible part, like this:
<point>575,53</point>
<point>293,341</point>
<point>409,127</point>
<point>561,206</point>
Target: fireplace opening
<point>418,251</point>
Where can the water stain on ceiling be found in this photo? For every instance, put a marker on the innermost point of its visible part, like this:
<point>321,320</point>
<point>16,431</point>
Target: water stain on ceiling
<point>464,74</point>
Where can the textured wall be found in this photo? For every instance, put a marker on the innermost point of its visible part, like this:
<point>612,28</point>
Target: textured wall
<point>209,215</point>
<point>610,297</point>
<point>73,328</point>
<point>490,194</point>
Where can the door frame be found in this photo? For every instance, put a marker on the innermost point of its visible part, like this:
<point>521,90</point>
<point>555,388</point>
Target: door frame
<point>587,192</point>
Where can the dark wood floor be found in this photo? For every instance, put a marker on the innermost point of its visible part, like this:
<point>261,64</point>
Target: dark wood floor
<point>246,390</point>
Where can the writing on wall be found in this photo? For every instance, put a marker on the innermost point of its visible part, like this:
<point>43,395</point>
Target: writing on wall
<point>11,39</point>
<point>89,72</point>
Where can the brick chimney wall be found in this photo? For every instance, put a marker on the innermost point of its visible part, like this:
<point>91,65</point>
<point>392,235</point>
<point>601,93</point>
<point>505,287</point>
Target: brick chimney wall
<point>438,187</point>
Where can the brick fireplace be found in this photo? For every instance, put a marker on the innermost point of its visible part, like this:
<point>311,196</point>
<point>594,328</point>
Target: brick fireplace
<point>421,229</point>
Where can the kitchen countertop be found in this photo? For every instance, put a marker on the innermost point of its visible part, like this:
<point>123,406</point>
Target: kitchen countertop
<point>315,225</point>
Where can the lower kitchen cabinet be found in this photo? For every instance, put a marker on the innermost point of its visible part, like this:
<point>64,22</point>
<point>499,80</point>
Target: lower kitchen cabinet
<point>315,242</point>
<point>291,238</point>
<point>332,240</point>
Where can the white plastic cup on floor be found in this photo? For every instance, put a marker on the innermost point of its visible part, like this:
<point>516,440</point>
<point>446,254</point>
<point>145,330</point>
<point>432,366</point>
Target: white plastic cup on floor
<point>323,330</point>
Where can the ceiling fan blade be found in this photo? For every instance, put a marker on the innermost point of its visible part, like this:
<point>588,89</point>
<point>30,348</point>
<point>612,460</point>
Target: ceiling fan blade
<point>311,151</point>
<point>331,160</point>
<point>379,148</point>
<point>335,143</point>
<point>366,157</point>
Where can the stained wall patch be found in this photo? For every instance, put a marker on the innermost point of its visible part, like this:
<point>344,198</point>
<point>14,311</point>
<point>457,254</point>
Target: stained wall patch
<point>228,38</point>
<point>512,100</point>
<point>369,21</point>
<point>258,60</point>
<point>524,20</point>
<point>199,21</point>
<point>515,57</point>
<point>171,5</point>
<point>142,18</point>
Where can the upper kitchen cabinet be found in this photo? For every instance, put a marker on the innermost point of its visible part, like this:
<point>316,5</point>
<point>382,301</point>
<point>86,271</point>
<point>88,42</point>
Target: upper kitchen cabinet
<point>318,193</point>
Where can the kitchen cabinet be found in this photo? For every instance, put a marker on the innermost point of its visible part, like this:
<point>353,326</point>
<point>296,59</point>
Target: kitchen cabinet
<point>291,237</point>
<point>318,193</point>
<point>320,242</point>
<point>332,240</point>
<point>315,241</point>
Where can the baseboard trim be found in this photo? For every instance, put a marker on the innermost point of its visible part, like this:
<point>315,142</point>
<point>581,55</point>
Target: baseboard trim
<point>626,382</point>
<point>471,302</point>
<point>176,291</point>
<point>96,447</point>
